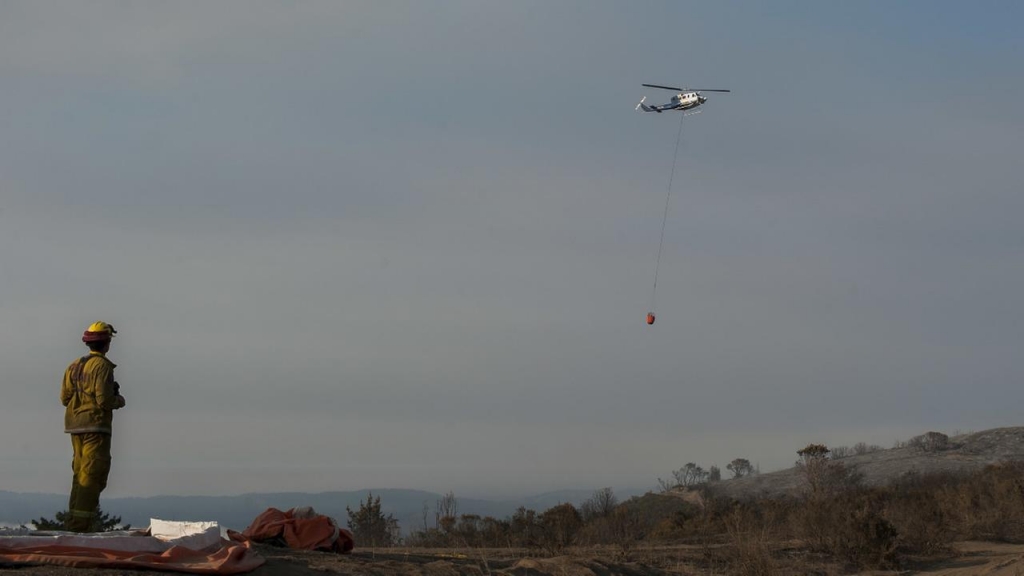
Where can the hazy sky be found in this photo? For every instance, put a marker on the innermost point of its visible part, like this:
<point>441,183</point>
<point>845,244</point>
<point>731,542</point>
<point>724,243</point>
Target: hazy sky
<point>411,244</point>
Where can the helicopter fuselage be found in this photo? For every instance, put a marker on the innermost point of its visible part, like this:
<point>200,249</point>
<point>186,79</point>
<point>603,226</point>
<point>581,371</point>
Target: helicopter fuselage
<point>684,100</point>
<point>681,101</point>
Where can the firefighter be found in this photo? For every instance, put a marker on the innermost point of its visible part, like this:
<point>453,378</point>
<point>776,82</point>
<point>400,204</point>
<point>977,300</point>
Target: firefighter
<point>91,395</point>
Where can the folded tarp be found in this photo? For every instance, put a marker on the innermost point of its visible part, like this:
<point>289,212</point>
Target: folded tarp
<point>298,528</point>
<point>189,547</point>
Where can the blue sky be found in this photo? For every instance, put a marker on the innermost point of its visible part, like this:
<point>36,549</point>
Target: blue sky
<point>411,244</point>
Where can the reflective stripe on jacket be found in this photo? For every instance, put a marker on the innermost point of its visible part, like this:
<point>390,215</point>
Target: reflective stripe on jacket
<point>89,393</point>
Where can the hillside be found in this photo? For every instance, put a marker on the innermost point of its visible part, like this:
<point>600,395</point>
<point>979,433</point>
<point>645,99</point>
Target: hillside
<point>967,524</point>
<point>964,453</point>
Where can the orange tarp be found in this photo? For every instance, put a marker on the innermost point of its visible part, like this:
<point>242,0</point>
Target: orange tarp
<point>229,558</point>
<point>299,528</point>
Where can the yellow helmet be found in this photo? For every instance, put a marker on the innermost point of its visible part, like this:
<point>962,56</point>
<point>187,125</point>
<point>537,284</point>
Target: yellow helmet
<point>98,332</point>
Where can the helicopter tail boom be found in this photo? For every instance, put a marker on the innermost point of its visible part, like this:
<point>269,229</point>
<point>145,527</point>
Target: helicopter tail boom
<point>645,107</point>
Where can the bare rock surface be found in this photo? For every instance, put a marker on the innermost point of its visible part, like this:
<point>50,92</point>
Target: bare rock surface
<point>969,559</point>
<point>397,561</point>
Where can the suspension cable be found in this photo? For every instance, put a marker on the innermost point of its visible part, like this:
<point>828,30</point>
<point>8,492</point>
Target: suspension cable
<point>664,217</point>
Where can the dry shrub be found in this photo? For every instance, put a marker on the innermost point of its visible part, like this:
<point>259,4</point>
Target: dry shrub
<point>922,508</point>
<point>840,518</point>
<point>558,527</point>
<point>863,448</point>
<point>837,520</point>
<point>749,549</point>
<point>849,526</point>
<point>651,517</point>
<point>933,510</point>
<point>668,530</point>
<point>681,524</point>
<point>990,504</point>
<point>842,452</point>
<point>917,515</point>
<point>622,528</point>
<point>930,442</point>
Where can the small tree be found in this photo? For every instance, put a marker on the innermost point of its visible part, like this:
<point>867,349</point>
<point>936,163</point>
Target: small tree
<point>813,464</point>
<point>739,467</point>
<point>714,474</point>
<point>523,527</point>
<point>689,475</point>
<point>599,505</point>
<point>370,525</point>
<point>102,522</point>
<point>446,512</point>
<point>822,474</point>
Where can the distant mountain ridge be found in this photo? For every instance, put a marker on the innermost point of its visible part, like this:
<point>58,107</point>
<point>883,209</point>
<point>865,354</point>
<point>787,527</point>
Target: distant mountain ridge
<point>238,511</point>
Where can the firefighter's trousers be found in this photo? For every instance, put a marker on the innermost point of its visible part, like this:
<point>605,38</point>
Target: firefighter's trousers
<point>90,465</point>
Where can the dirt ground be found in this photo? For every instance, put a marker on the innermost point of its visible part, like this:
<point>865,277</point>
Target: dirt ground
<point>972,559</point>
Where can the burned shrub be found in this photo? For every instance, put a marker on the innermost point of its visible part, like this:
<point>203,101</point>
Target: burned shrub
<point>990,503</point>
<point>749,551</point>
<point>922,510</point>
<point>841,452</point>
<point>558,526</point>
<point>930,442</point>
<point>861,448</point>
<point>849,526</point>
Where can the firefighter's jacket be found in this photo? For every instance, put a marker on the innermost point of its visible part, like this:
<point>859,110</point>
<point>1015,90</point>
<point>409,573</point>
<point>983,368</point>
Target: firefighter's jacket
<point>90,394</point>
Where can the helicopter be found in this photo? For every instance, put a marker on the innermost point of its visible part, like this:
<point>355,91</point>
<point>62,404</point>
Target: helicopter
<point>686,99</point>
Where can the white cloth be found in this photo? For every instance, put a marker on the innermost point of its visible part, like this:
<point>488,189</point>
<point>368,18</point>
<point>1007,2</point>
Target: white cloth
<point>163,535</point>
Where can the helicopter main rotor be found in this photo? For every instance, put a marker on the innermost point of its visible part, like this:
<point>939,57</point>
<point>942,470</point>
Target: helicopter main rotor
<point>684,89</point>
